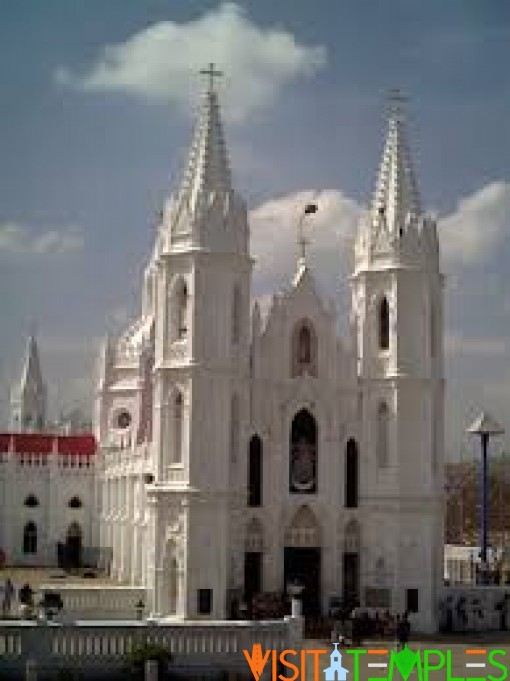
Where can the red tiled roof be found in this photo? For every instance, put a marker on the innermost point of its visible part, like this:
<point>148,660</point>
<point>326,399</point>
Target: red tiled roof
<point>25,443</point>
<point>76,444</point>
<point>42,443</point>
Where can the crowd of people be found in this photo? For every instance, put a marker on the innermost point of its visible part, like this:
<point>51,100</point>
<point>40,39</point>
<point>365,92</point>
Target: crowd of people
<point>9,598</point>
<point>366,624</point>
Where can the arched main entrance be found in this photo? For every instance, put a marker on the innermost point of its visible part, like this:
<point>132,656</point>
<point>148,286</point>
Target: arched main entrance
<point>302,558</point>
<point>73,546</point>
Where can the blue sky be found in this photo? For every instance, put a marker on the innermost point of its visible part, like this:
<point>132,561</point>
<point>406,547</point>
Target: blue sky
<point>96,108</point>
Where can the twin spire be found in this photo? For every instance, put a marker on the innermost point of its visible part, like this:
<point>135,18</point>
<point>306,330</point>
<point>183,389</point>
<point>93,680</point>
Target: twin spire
<point>207,169</point>
<point>207,178</point>
<point>396,202</point>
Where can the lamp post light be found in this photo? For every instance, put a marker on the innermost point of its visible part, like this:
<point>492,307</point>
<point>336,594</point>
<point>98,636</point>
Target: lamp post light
<point>484,426</point>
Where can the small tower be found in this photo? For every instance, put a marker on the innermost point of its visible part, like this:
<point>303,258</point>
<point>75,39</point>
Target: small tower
<point>397,300</point>
<point>28,396</point>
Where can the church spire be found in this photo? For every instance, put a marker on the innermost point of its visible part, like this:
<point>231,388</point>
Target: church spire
<point>28,398</point>
<point>31,372</point>
<point>396,202</point>
<point>207,169</point>
<point>206,212</point>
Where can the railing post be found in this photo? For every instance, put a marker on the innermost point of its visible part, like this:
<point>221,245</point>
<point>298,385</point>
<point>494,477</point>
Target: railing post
<point>151,670</point>
<point>31,670</point>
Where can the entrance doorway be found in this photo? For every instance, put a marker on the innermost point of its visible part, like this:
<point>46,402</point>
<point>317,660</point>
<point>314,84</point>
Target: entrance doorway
<point>73,546</point>
<point>351,578</point>
<point>303,565</point>
<point>252,576</point>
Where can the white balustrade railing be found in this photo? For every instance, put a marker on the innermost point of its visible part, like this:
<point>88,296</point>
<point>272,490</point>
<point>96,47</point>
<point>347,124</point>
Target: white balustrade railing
<point>89,646</point>
<point>96,602</point>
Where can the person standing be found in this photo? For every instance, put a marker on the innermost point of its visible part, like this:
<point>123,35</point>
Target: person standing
<point>403,631</point>
<point>7,597</point>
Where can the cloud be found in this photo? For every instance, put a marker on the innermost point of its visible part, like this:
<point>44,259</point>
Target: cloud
<point>158,63</point>
<point>478,226</point>
<point>17,239</point>
<point>274,237</point>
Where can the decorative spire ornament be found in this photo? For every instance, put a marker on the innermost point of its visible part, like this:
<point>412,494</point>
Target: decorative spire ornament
<point>309,209</point>
<point>211,74</point>
<point>396,201</point>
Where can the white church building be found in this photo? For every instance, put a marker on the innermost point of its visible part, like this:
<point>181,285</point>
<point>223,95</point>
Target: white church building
<point>238,455</point>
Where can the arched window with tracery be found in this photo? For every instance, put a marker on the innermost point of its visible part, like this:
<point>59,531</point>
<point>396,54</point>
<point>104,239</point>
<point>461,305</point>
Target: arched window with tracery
<point>304,350</point>
<point>255,471</point>
<point>236,315</point>
<point>384,324</point>
<point>351,474</point>
<point>182,310</point>
<point>383,433</point>
<point>234,427</point>
<point>30,538</point>
<point>303,454</point>
<point>178,427</point>
<point>178,310</point>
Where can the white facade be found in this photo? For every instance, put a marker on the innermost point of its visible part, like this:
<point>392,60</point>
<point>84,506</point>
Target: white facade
<point>349,432</point>
<point>47,481</point>
<point>47,497</point>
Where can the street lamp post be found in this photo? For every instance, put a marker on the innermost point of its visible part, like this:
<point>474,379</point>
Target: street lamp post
<point>484,426</point>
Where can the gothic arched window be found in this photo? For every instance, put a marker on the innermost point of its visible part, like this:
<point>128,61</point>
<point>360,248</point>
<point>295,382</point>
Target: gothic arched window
<point>304,346</point>
<point>304,350</point>
<point>432,331</point>
<point>351,474</point>
<point>236,315</point>
<point>32,501</point>
<point>255,472</point>
<point>182,310</point>
<point>178,427</point>
<point>303,454</point>
<point>75,502</point>
<point>234,427</point>
<point>384,324</point>
<point>383,445</point>
<point>30,538</point>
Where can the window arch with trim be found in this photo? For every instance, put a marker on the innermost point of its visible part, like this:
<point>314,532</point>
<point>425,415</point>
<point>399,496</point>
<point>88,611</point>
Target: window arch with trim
<point>304,350</point>
<point>178,426</point>
<point>236,314</point>
<point>178,310</point>
<point>383,435</point>
<point>303,463</point>
<point>30,538</point>
<point>351,474</point>
<point>384,324</point>
<point>234,427</point>
<point>31,501</point>
<point>75,502</point>
<point>255,471</point>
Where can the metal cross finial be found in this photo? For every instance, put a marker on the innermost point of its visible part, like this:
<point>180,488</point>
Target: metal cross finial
<point>310,208</point>
<point>396,103</point>
<point>211,73</point>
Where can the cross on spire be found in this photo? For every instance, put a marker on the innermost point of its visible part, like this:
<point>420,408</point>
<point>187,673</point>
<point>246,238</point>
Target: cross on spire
<point>211,74</point>
<point>310,208</point>
<point>397,101</point>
